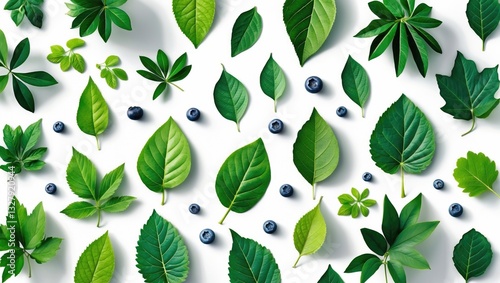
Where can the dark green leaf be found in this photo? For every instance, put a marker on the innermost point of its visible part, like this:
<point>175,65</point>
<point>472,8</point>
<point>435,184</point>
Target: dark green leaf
<point>151,66</point>
<point>382,41</point>
<point>414,234</point>
<point>120,18</point>
<point>381,11</point>
<point>400,49</point>
<point>390,221</point>
<point>410,213</point>
<point>178,65</point>
<point>395,7</point>
<point>422,10</point>
<point>34,15</point>
<point>375,241</point>
<point>418,50</point>
<point>105,27</point>
<point>397,271</point>
<point>23,95</point>
<point>159,90</point>
<point>472,255</point>
<point>21,53</point>
<point>431,41</point>
<point>356,83</point>
<point>34,165</point>
<point>408,5</point>
<point>424,22</point>
<point>330,276</point>
<point>483,17</point>
<point>369,268</point>
<point>3,82</point>
<point>374,28</point>
<point>39,78</point>
<point>163,63</point>
<point>246,31</point>
<point>150,76</point>
<point>184,72</point>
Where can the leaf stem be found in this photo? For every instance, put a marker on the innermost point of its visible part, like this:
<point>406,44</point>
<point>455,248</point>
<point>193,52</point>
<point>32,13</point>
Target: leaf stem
<point>385,271</point>
<point>238,127</point>
<point>29,263</point>
<point>275,106</point>
<point>163,197</point>
<point>98,143</point>
<point>314,191</point>
<point>362,112</point>
<point>402,182</point>
<point>176,86</point>
<point>225,215</point>
<point>473,125</point>
<point>98,217</point>
<point>483,45</point>
<point>297,261</point>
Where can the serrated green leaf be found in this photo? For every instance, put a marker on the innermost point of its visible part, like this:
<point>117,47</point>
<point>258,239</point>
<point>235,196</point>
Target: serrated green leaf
<point>30,136</point>
<point>75,43</point>
<point>110,183</point>
<point>194,18</point>
<point>117,204</point>
<point>272,80</point>
<point>369,268</point>
<point>246,31</point>
<point>483,17</point>
<point>357,263</point>
<point>161,255</point>
<point>476,174</point>
<point>81,176</point>
<point>97,262</point>
<point>316,150</point>
<point>330,276</point>
<point>79,210</point>
<point>472,255</point>
<point>375,241</point>
<point>184,72</point>
<point>33,229</point>
<point>356,83</point>
<point>47,250</point>
<point>243,178</point>
<point>308,24</point>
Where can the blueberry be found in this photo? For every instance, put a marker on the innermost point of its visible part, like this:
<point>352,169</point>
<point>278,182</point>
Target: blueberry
<point>50,188</point>
<point>135,112</point>
<point>286,190</point>
<point>341,111</point>
<point>270,226</point>
<point>275,126</point>
<point>438,184</point>
<point>207,236</point>
<point>193,114</point>
<point>314,84</point>
<point>58,127</point>
<point>194,208</point>
<point>455,210</point>
<point>367,176</point>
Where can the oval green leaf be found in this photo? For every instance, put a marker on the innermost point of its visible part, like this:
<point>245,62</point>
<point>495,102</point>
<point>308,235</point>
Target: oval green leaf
<point>243,178</point>
<point>272,80</point>
<point>246,31</point>
<point>356,83</point>
<point>194,18</point>
<point>3,49</point>
<point>97,262</point>
<point>472,255</point>
<point>483,17</point>
<point>375,241</point>
<point>476,174</point>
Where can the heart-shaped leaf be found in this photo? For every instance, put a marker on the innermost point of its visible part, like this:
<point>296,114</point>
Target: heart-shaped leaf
<point>472,255</point>
<point>97,262</point>
<point>246,31</point>
<point>194,18</point>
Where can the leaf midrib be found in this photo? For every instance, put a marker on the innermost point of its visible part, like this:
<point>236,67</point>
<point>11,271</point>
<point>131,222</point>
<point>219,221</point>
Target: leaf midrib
<point>248,263</point>
<point>479,180</point>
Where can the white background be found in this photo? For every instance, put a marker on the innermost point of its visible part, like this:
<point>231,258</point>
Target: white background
<point>213,138</point>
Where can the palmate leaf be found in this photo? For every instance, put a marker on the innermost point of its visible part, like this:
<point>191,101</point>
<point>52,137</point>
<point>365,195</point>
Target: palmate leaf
<point>483,17</point>
<point>472,255</point>
<point>246,31</point>
<point>194,18</point>
<point>476,174</point>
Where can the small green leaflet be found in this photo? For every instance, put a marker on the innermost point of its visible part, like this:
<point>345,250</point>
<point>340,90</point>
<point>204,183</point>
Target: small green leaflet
<point>29,241</point>
<point>92,114</point>
<point>472,255</point>
<point>403,140</point>
<point>159,72</point>
<point>308,24</point>
<point>246,31</point>
<point>476,174</point>
<point>330,276</point>
<point>243,178</point>
<point>356,83</point>
<point>97,262</point>
<point>316,150</point>
<point>355,203</point>
<point>250,262</point>
<point>20,152</point>
<point>310,232</point>
<point>230,97</point>
<point>81,176</point>
<point>68,59</point>
<point>469,94</point>
<point>98,15</point>
<point>483,17</point>
<point>29,8</point>
<point>194,17</point>
<point>161,255</point>
<point>165,161</point>
<point>272,80</point>
<point>112,75</point>
<point>22,93</point>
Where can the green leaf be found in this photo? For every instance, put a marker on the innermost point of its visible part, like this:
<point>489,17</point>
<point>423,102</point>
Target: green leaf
<point>346,199</point>
<point>356,83</point>
<point>410,213</point>
<point>414,234</point>
<point>78,63</point>
<point>400,49</point>
<point>117,204</point>
<point>177,68</point>
<point>31,136</point>
<point>469,94</point>
<point>418,49</point>
<point>81,176</point>
<point>483,17</point>
<point>397,271</point>
<point>47,250</point>
<point>390,221</point>
<point>231,97</point>
<point>80,210</point>
<point>375,241</point>
<point>243,178</point>
<point>21,53</point>
<point>162,60</point>
<point>308,24</point>
<point>476,174</point>
<point>113,60</point>
<point>34,15</point>
<point>119,17</point>
<point>39,78</point>
<point>18,265</point>
<point>3,82</point>
<point>111,80</point>
<point>369,268</point>
<point>75,43</point>
<point>472,255</point>
<point>161,255</point>
<point>92,115</point>
<point>120,73</point>
<point>194,18</point>
<point>184,72</point>
<point>97,262</point>
<point>20,8</point>
<point>358,262</point>
<point>105,27</point>
<point>395,7</point>
<point>382,41</point>
<point>316,150</point>
<point>23,95</point>
<point>403,140</point>
<point>246,31</point>
<point>355,211</point>
<point>251,262</point>
<point>310,232</point>
<point>380,10</point>
<point>110,183</point>
<point>374,28</point>
<point>345,210</point>
<point>165,161</point>
<point>159,90</point>
<point>65,63</point>
<point>151,66</point>
<point>272,80</point>
<point>33,229</point>
<point>408,5</point>
<point>4,50</point>
<point>330,276</point>
<point>410,257</point>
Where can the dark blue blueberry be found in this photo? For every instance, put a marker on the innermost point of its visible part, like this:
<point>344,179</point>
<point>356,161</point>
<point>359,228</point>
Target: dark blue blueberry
<point>270,226</point>
<point>194,208</point>
<point>275,126</point>
<point>58,127</point>
<point>193,114</point>
<point>314,84</point>
<point>367,176</point>
<point>438,184</point>
<point>286,190</point>
<point>207,236</point>
<point>341,111</point>
<point>50,188</point>
<point>135,112</point>
<point>456,210</point>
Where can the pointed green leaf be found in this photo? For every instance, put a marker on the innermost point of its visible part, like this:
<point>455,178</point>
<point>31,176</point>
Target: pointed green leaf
<point>400,49</point>
<point>472,255</point>
<point>194,18</point>
<point>75,43</point>
<point>110,183</point>
<point>79,210</point>
<point>483,17</point>
<point>184,72</point>
<point>418,49</point>
<point>162,60</point>
<point>390,221</point>
<point>81,176</point>
<point>355,82</point>
<point>409,257</point>
<point>150,65</point>
<point>397,271</point>
<point>159,90</point>
<point>47,250</point>
<point>246,31</point>
<point>3,82</point>
<point>97,262</point>
<point>375,241</point>
<point>395,7</point>
<point>31,136</point>
<point>3,49</point>
<point>272,80</point>
<point>33,229</point>
<point>380,10</point>
<point>117,204</point>
<point>39,78</point>
<point>358,262</point>
<point>476,174</point>
<point>410,213</point>
<point>374,28</point>
<point>119,17</point>
<point>414,234</point>
<point>382,41</point>
<point>330,276</point>
<point>23,95</point>
<point>21,53</point>
<point>369,268</point>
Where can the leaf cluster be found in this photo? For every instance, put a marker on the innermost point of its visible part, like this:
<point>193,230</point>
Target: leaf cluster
<point>159,71</point>
<point>405,25</point>
<point>476,174</point>
<point>81,177</point>
<point>110,74</point>
<point>29,241</point>
<point>68,58</point>
<point>355,203</point>
<point>29,8</point>
<point>19,80</point>
<point>396,246</point>
<point>20,152</point>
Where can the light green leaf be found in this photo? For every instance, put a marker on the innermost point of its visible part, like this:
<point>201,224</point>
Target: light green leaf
<point>346,199</point>
<point>476,174</point>
<point>65,63</point>
<point>31,136</point>
<point>110,183</point>
<point>345,210</point>
<point>272,80</point>
<point>161,255</point>
<point>246,31</point>
<point>310,232</point>
<point>3,49</point>
<point>78,63</point>
<point>47,250</point>
<point>194,18</point>
<point>330,276</point>
<point>410,257</point>
<point>112,60</point>
<point>117,204</point>
<point>308,24</point>
<point>483,17</point>
<point>414,234</point>
<point>33,229</point>
<point>165,161</point>
<point>243,178</point>
<point>80,210</point>
<point>316,150</point>
<point>120,73</point>
<point>356,83</point>
<point>75,43</point>
<point>81,176</point>
<point>472,255</point>
<point>97,262</point>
